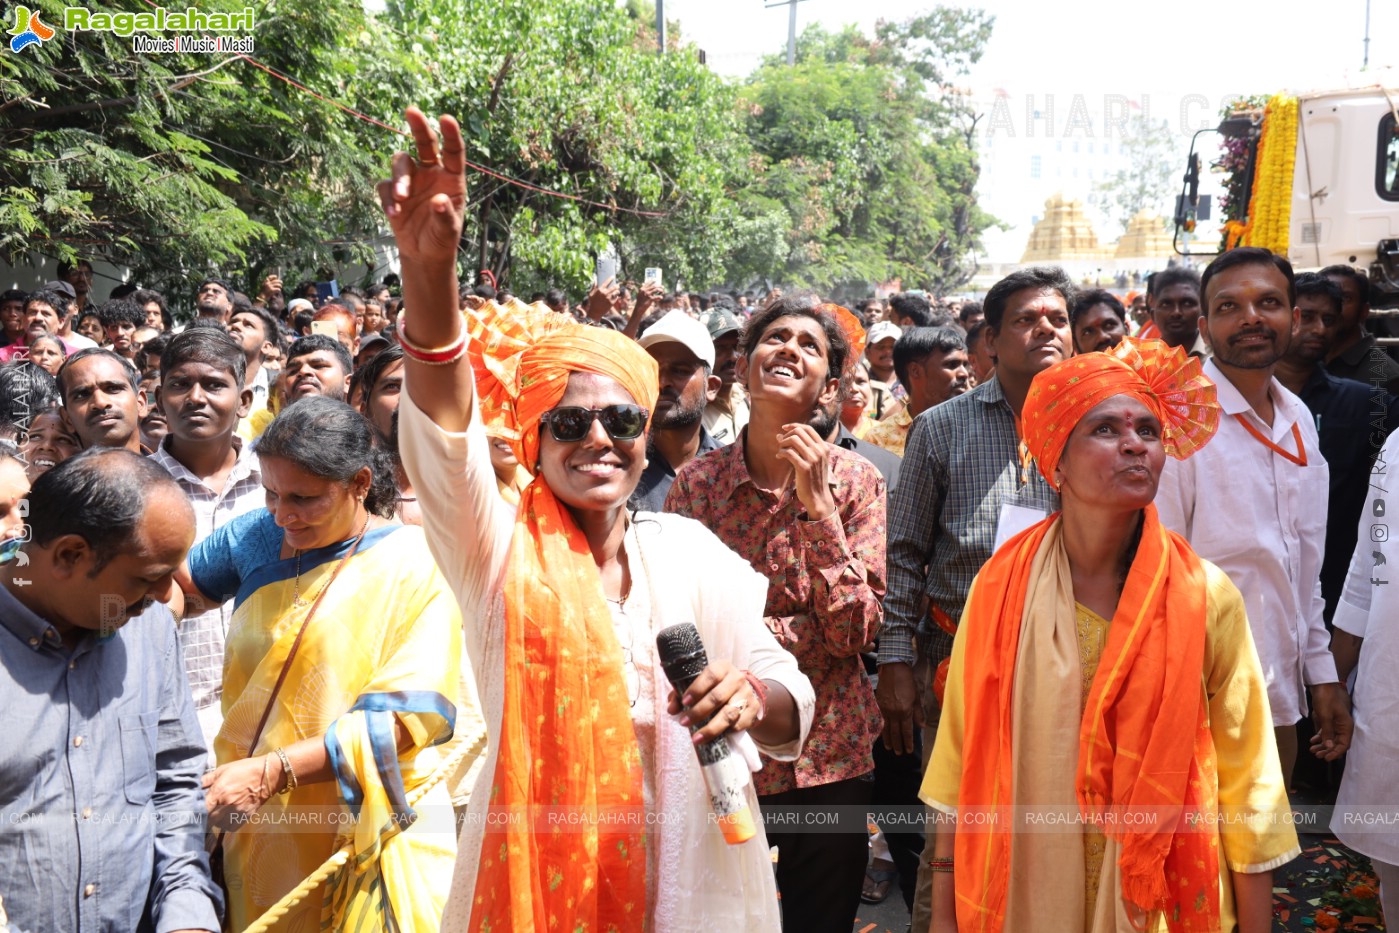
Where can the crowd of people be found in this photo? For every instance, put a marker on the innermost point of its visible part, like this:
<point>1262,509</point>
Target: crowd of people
<point>341,610</point>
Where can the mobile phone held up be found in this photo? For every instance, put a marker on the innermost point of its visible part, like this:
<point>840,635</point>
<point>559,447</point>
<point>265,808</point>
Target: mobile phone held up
<point>606,270</point>
<point>653,275</point>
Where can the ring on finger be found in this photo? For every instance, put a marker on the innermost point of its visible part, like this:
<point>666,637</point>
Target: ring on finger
<point>737,709</point>
<point>427,163</point>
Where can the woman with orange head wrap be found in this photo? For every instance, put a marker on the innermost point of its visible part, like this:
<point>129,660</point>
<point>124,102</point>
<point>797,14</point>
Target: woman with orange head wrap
<point>589,810</point>
<point>1155,766</point>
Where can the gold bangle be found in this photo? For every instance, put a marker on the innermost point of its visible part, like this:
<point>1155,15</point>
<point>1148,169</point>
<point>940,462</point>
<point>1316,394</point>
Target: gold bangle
<point>289,784</point>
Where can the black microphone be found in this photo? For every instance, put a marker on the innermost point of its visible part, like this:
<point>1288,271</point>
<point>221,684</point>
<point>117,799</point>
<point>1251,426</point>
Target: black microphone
<point>725,774</point>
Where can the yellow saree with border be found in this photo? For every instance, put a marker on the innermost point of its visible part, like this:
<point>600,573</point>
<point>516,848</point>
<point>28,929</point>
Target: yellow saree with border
<point>384,646</point>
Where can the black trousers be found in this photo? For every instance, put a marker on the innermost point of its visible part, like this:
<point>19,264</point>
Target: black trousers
<point>896,782</point>
<point>820,871</point>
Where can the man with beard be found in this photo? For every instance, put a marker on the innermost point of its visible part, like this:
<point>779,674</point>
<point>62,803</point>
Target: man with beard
<point>879,354</point>
<point>316,365</point>
<point>78,275</point>
<point>1345,411</point>
<point>101,732</point>
<point>256,331</point>
<point>1253,502</point>
<point>684,352</point>
<point>214,300</point>
<point>203,395</point>
<point>967,486</point>
<point>932,366</point>
<point>726,415</point>
<point>1099,321</point>
<point>1174,298</point>
<point>102,400</point>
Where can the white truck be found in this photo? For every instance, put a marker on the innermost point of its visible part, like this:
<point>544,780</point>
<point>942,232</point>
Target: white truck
<point>1338,203</point>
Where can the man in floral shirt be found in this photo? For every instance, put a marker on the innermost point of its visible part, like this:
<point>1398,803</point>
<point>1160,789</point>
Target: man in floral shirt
<point>810,517</point>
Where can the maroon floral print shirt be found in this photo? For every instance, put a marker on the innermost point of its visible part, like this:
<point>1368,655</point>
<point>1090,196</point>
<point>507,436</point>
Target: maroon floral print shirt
<point>825,583</point>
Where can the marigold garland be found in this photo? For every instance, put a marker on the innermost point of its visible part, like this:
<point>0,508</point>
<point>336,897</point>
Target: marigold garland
<point>1270,202</point>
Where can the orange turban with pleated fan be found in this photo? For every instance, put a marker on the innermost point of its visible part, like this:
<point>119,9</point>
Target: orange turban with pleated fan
<point>1166,379</point>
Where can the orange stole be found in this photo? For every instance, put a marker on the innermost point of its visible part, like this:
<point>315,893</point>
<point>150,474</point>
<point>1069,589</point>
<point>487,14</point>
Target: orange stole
<point>1139,745</point>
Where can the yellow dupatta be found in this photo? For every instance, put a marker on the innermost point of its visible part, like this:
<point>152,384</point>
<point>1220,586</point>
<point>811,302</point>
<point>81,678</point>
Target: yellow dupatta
<point>385,644</point>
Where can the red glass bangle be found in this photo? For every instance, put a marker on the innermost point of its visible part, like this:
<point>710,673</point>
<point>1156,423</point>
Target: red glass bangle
<point>760,690</point>
<point>435,356</point>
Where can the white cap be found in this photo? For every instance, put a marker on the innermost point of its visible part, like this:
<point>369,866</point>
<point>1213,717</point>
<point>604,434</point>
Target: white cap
<point>300,304</point>
<point>883,330</point>
<point>679,327</point>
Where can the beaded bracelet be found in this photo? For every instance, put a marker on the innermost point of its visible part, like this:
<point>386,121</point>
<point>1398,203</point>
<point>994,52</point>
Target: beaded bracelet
<point>439,356</point>
<point>760,690</point>
<point>940,864</point>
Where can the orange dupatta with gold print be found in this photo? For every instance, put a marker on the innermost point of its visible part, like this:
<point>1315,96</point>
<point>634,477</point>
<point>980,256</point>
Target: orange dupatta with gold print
<point>1144,741</point>
<point>568,769</point>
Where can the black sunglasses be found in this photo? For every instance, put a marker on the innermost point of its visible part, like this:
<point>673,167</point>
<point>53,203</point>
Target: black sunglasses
<point>621,422</point>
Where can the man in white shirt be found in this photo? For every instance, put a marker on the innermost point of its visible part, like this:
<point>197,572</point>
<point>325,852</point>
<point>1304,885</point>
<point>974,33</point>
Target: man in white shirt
<point>1253,501</point>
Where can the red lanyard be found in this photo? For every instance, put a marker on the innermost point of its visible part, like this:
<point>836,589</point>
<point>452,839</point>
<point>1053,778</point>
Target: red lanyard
<point>1299,458</point>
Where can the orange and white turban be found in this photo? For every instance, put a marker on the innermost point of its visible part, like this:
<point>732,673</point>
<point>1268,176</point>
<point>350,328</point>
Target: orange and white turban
<point>1166,379</point>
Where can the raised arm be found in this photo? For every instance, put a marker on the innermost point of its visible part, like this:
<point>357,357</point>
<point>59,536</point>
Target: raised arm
<point>424,202</point>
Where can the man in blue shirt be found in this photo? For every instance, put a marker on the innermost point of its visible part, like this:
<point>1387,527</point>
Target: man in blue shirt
<point>100,768</point>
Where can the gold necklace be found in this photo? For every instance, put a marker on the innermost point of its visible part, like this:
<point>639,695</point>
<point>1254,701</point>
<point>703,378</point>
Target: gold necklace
<point>296,599</point>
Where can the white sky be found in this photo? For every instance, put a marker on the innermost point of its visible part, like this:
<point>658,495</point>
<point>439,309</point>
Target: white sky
<point>1095,46</point>
<point>1180,60</point>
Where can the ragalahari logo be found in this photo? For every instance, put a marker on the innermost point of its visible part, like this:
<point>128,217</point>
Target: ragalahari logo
<point>28,30</point>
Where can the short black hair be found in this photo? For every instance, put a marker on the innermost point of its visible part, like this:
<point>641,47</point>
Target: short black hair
<point>800,304</point>
<point>216,281</point>
<point>205,345</point>
<point>327,438</point>
<point>1040,278</point>
<point>1318,283</point>
<point>313,342</point>
<point>121,310</point>
<point>975,333</point>
<point>1358,276</point>
<point>25,391</point>
<point>968,309</point>
<point>271,330</point>
<point>132,375</point>
<point>124,290</point>
<point>917,343</point>
<point>1158,282</point>
<point>13,294</point>
<point>157,344</point>
<point>555,296</point>
<point>144,296</point>
<point>1091,299</point>
<point>1247,256</point>
<point>66,267</point>
<point>60,302</point>
<point>913,305</point>
<point>100,495</point>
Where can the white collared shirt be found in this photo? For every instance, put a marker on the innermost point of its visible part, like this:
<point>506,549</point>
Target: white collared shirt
<point>1262,520</point>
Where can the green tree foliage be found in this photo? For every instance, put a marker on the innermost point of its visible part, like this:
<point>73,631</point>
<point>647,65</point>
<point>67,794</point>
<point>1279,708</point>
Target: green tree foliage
<point>864,156</point>
<point>1151,179</point>
<point>571,96</point>
<point>852,167</point>
<point>177,163</point>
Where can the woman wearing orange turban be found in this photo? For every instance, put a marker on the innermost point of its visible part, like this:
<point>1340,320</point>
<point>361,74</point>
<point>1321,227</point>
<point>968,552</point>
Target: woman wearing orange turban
<point>589,810</point>
<point>1147,795</point>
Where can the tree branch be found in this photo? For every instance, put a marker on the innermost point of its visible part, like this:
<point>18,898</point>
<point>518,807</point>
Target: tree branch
<point>178,86</point>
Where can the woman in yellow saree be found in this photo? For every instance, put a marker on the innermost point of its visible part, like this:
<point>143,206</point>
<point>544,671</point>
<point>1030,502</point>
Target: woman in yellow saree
<point>341,674</point>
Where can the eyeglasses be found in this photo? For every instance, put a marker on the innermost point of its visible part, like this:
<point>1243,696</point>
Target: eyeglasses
<point>621,422</point>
